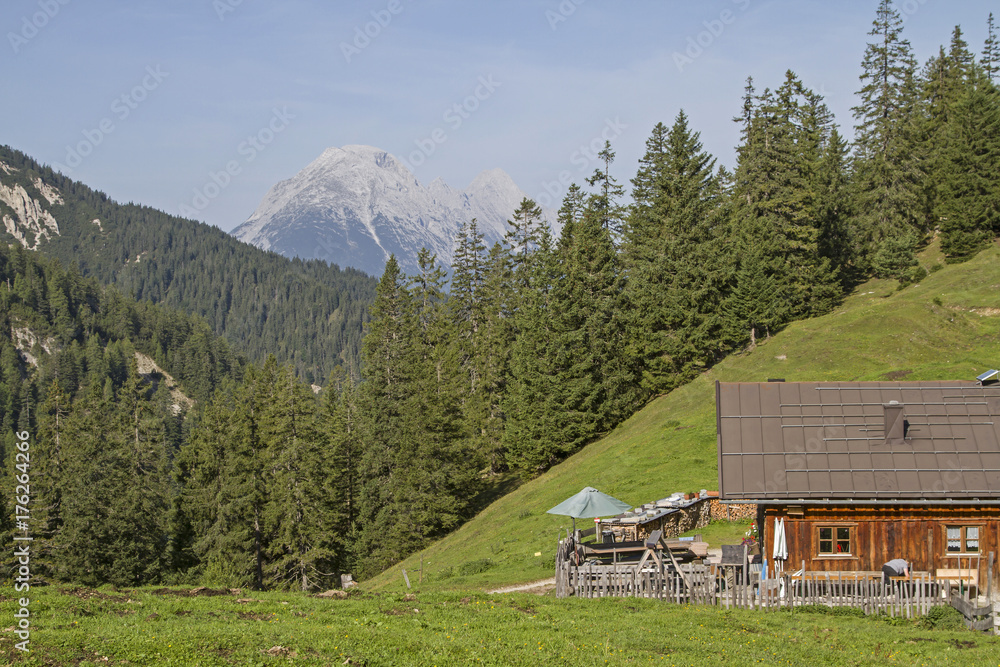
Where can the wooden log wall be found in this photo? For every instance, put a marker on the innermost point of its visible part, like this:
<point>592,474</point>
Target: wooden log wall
<point>880,534</point>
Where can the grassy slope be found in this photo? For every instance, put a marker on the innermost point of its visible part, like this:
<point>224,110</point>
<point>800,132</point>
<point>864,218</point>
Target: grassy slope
<point>92,628</point>
<point>945,327</point>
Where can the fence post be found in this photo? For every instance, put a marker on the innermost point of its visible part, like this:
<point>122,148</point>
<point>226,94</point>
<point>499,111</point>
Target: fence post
<point>989,578</point>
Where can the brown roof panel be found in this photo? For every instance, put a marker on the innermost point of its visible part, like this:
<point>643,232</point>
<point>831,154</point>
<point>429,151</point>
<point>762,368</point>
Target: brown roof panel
<point>827,440</point>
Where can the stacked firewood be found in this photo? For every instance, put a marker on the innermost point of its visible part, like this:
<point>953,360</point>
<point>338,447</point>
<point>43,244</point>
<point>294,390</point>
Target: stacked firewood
<point>725,512</point>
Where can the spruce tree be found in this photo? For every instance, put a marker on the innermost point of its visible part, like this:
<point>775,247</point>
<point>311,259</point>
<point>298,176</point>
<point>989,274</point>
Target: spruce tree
<point>671,258</point>
<point>969,199</point>
<point>387,367</point>
<point>781,183</point>
<point>532,404</point>
<point>340,433</point>
<point>991,51</point>
<point>492,359</point>
<point>47,472</point>
<point>301,512</point>
<point>437,472</point>
<point>605,202</point>
<point>887,155</point>
<point>115,500</point>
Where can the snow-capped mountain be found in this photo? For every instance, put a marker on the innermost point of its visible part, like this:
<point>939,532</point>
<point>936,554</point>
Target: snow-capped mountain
<point>356,205</point>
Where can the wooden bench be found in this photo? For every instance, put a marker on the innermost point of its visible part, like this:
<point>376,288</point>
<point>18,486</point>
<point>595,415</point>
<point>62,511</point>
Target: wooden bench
<point>957,576</point>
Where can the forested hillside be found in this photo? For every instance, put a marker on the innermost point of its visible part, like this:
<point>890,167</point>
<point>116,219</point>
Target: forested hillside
<point>102,383</point>
<point>531,349</point>
<point>308,314</point>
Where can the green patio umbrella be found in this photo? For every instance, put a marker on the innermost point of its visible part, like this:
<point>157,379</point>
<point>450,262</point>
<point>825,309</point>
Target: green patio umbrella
<point>588,504</point>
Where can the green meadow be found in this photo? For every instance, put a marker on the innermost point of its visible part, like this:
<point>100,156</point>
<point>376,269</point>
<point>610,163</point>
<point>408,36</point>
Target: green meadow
<point>945,327</point>
<point>165,627</point>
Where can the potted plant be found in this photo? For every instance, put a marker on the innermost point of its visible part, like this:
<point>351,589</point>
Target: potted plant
<point>751,540</point>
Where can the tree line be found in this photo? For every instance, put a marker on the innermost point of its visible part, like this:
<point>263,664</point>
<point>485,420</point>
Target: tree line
<point>307,313</point>
<point>525,352</point>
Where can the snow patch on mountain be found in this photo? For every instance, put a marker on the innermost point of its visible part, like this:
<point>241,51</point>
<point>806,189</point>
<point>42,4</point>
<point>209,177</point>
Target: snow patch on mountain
<point>356,205</point>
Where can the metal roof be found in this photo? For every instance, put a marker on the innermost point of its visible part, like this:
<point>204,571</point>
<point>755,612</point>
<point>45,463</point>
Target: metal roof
<point>844,440</point>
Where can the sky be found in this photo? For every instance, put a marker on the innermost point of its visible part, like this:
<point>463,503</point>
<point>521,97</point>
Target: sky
<point>198,107</point>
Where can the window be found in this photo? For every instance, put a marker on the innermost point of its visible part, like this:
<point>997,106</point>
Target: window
<point>835,540</point>
<point>962,539</point>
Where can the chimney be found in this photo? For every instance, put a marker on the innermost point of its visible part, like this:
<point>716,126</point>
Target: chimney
<point>895,425</point>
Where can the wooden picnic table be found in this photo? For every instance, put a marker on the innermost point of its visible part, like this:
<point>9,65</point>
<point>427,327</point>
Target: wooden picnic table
<point>682,550</point>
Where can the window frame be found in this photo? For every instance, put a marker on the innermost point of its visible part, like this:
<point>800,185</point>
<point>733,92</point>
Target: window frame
<point>964,539</point>
<point>852,535</point>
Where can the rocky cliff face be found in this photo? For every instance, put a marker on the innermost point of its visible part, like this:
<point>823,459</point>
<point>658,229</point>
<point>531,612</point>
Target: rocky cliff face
<point>24,215</point>
<point>356,205</point>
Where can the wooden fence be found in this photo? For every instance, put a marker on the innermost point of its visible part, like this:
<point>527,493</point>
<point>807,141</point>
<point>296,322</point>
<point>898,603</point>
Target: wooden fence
<point>731,587</point>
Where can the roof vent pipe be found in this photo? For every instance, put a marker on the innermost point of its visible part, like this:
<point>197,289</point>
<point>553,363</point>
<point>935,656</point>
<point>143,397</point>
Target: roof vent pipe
<point>895,425</point>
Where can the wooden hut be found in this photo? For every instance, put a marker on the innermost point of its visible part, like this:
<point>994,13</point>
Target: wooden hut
<point>864,472</point>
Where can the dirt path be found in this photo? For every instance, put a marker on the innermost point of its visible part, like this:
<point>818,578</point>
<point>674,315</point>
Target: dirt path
<point>540,587</point>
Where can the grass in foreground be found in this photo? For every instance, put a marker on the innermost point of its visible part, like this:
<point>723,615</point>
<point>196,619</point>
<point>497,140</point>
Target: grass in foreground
<point>77,626</point>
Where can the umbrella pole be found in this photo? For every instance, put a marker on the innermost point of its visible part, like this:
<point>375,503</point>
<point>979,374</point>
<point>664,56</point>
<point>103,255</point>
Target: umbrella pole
<point>576,546</point>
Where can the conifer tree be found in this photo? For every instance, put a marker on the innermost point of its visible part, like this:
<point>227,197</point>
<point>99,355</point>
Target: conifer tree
<point>301,512</point>
<point>47,478</point>
<point>523,239</point>
<point>492,358</point>
<point>116,495</point>
<point>592,383</point>
<point>670,257</point>
<point>437,471</point>
<point>223,469</point>
<point>757,304</point>
<point>532,404</point>
<point>969,192</point>
<point>991,51</point>
<point>340,430</point>
<point>944,81</point>
<point>467,308</point>
<point>387,365</point>
<point>834,210</point>
<point>887,158</point>
<point>605,201</point>
<point>781,184</point>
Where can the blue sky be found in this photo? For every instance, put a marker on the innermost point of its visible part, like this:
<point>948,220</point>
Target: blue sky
<point>200,106</point>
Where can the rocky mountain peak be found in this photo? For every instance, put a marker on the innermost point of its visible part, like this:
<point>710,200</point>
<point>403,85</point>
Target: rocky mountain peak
<point>356,205</point>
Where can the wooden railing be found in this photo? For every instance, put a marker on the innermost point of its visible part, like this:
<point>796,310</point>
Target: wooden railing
<point>697,583</point>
